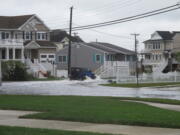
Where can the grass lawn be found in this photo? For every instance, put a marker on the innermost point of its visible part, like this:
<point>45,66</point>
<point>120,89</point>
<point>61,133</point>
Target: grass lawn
<point>4,130</point>
<point>153,100</point>
<point>92,109</point>
<point>141,85</point>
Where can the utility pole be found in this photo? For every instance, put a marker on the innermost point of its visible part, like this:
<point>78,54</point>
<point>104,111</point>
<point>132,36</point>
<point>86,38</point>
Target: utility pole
<point>69,48</point>
<point>137,72</point>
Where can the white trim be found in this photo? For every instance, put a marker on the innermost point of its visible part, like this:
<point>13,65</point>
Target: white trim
<point>29,44</point>
<point>26,22</point>
<point>31,19</point>
<point>99,58</point>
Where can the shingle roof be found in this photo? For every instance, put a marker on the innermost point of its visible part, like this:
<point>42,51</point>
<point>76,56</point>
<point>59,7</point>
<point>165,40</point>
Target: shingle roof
<point>43,44</point>
<point>166,35</point>
<point>59,35</point>
<point>110,48</point>
<point>13,22</point>
<point>118,48</point>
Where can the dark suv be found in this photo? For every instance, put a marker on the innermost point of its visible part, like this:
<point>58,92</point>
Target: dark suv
<point>81,73</point>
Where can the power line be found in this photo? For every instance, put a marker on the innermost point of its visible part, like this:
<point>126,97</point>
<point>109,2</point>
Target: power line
<point>109,34</point>
<point>127,19</point>
<point>78,16</point>
<point>151,13</point>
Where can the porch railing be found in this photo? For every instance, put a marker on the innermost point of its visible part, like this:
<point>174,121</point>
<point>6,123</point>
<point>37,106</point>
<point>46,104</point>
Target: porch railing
<point>11,42</point>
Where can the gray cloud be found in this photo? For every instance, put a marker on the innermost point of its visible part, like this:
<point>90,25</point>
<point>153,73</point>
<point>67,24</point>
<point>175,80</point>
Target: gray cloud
<point>55,13</point>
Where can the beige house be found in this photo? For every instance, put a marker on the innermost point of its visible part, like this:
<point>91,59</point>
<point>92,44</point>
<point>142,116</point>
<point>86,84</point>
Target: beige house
<point>26,38</point>
<point>157,47</point>
<point>161,48</point>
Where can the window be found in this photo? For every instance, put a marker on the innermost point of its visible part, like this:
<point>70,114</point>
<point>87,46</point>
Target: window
<point>28,35</point>
<point>98,58</point>
<point>43,56</point>
<point>51,56</point>
<point>41,36</point>
<point>5,35</point>
<point>156,57</point>
<point>62,59</point>
<point>156,45</point>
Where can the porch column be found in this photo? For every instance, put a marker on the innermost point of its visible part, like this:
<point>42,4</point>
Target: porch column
<point>14,53</point>
<point>125,57</point>
<point>22,54</point>
<point>7,53</point>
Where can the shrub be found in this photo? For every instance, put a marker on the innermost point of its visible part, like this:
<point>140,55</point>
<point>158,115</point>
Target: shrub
<point>14,71</point>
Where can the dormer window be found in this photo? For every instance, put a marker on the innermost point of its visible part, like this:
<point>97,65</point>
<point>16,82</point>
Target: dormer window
<point>28,35</point>
<point>41,36</point>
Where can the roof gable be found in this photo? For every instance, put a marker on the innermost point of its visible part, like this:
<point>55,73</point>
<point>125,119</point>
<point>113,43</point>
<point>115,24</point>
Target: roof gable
<point>31,45</point>
<point>39,44</point>
<point>13,22</point>
<point>166,35</point>
<point>156,36</point>
<point>36,23</point>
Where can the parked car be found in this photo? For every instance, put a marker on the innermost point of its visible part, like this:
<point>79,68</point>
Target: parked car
<point>81,73</point>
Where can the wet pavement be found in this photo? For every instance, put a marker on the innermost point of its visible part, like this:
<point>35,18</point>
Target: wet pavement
<point>10,118</point>
<point>86,88</point>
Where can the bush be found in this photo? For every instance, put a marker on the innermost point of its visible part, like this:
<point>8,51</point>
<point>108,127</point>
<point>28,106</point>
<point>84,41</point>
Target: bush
<point>14,71</point>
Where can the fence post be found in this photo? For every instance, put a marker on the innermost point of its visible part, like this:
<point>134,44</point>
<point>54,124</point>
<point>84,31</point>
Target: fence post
<point>175,77</point>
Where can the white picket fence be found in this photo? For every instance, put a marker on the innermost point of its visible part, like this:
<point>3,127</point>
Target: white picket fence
<point>150,78</point>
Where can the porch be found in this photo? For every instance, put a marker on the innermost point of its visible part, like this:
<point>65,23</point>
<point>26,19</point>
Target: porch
<point>12,53</point>
<point>118,57</point>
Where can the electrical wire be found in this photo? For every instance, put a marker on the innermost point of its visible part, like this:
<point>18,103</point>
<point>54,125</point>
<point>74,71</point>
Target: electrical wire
<point>135,17</point>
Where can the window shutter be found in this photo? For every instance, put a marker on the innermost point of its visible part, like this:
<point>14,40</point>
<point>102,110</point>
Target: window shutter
<point>46,36</point>
<point>94,58</point>
<point>102,59</point>
<point>35,37</point>
<point>67,59</point>
<point>3,35</point>
<point>23,35</point>
<point>31,35</point>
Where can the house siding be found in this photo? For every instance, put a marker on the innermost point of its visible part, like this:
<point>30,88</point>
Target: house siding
<point>81,56</point>
<point>176,43</point>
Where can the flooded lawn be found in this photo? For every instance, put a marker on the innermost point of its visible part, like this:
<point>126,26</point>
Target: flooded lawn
<point>86,88</point>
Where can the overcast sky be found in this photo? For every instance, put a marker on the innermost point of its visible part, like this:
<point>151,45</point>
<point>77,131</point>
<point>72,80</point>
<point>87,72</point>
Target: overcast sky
<point>55,13</point>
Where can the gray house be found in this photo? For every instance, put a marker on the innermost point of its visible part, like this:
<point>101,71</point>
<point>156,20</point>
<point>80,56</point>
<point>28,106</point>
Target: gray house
<point>93,56</point>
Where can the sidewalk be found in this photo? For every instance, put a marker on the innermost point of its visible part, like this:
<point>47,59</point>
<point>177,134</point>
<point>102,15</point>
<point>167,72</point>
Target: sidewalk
<point>10,118</point>
<point>159,105</point>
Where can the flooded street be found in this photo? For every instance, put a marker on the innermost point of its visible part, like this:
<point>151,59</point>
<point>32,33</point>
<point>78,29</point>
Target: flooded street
<point>85,88</point>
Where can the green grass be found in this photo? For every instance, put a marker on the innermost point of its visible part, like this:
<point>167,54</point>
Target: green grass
<point>153,100</point>
<point>4,130</point>
<point>92,109</point>
<point>133,85</point>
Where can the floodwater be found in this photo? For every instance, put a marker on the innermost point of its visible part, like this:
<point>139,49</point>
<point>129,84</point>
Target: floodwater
<point>85,88</point>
